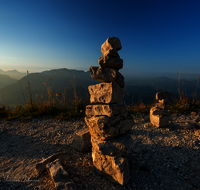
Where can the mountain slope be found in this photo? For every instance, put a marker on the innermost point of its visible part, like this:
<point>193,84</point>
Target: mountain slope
<point>55,81</point>
<point>13,74</point>
<point>6,80</point>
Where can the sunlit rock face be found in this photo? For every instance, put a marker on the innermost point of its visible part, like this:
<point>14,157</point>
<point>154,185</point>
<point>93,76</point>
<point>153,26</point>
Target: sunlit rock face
<point>107,117</point>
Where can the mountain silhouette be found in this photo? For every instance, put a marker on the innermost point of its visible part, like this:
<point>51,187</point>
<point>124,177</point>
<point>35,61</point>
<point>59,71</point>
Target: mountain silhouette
<point>13,74</point>
<point>6,80</point>
<point>64,80</point>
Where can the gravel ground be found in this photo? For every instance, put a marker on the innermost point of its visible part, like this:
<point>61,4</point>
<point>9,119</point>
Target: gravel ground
<point>162,158</point>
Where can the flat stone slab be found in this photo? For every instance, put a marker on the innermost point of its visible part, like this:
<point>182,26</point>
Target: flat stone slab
<point>162,95</point>
<point>111,43</point>
<point>103,74</point>
<point>106,128</point>
<point>60,177</point>
<point>108,110</point>
<point>121,145</point>
<point>157,111</point>
<point>116,168</point>
<point>82,140</point>
<point>111,62</point>
<point>106,93</point>
<point>41,166</point>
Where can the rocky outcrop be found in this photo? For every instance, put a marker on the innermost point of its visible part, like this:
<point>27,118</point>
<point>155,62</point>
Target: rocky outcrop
<point>107,118</point>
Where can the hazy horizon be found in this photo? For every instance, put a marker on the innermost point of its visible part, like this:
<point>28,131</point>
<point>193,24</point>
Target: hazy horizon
<point>183,75</point>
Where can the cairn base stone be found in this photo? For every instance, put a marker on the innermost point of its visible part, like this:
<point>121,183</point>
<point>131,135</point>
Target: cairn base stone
<point>116,169</point>
<point>106,128</point>
<point>106,93</point>
<point>107,75</point>
<point>121,145</point>
<point>108,110</point>
<point>159,120</point>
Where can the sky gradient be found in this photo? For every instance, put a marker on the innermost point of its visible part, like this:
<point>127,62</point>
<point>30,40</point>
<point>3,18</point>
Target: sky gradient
<point>156,35</point>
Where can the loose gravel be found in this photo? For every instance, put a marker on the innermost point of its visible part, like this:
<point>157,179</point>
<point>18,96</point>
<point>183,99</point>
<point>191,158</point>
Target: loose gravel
<point>162,158</point>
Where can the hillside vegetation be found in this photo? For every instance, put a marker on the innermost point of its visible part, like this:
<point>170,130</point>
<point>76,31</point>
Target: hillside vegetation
<point>63,94</point>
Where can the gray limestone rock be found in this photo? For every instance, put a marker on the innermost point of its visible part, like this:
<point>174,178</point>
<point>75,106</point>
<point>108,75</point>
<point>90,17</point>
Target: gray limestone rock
<point>115,168</point>
<point>108,110</point>
<point>121,145</point>
<point>111,43</point>
<point>111,62</point>
<point>106,93</point>
<point>60,177</point>
<point>159,121</point>
<point>41,166</point>
<point>107,75</point>
<point>106,128</point>
<point>157,111</point>
<point>82,140</point>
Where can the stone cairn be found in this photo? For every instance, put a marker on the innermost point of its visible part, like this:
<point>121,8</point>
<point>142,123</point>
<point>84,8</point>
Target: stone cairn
<point>159,115</point>
<point>107,118</point>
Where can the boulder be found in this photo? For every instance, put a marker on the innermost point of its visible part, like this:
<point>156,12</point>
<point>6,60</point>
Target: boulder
<point>157,111</point>
<point>106,128</point>
<point>111,62</point>
<point>82,140</point>
<point>111,43</point>
<point>162,95</point>
<point>159,121</point>
<point>116,169</point>
<point>121,145</point>
<point>108,110</point>
<point>41,166</point>
<point>103,74</point>
<point>60,177</point>
<point>106,93</point>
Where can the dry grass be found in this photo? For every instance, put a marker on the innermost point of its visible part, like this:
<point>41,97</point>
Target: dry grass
<point>49,104</point>
<point>54,104</point>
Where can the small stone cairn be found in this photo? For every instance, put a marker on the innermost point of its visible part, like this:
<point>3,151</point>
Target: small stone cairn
<point>159,116</point>
<point>107,118</point>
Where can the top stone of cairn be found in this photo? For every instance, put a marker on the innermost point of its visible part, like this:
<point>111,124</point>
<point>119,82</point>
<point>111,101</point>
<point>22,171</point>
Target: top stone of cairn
<point>111,43</point>
<point>162,95</point>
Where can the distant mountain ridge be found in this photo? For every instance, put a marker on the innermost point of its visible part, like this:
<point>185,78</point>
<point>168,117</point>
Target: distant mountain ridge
<point>55,81</point>
<point>13,74</point>
<point>60,80</point>
<point>6,80</point>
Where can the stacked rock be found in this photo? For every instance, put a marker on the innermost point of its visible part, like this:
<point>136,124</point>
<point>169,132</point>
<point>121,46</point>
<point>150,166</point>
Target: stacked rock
<point>107,117</point>
<point>159,115</point>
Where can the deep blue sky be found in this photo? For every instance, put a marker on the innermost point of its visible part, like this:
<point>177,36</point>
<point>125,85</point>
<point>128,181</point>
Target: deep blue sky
<point>156,35</point>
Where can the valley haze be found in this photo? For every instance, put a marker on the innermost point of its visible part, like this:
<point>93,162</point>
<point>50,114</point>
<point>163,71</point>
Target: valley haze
<point>138,86</point>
